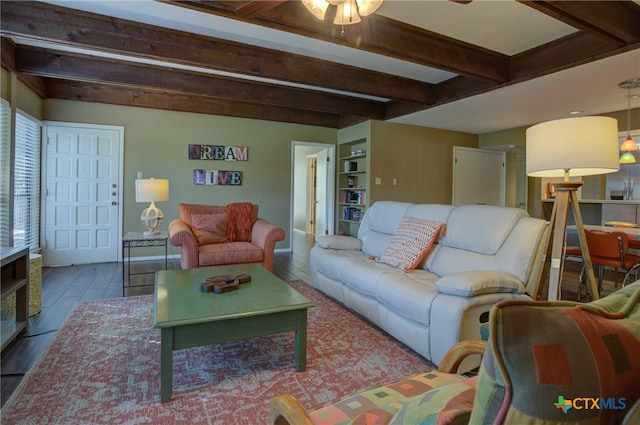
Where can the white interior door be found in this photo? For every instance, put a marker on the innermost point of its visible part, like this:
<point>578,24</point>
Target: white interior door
<point>322,175</point>
<point>82,193</point>
<point>479,176</point>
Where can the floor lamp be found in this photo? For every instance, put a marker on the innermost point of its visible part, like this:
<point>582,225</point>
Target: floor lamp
<point>581,146</point>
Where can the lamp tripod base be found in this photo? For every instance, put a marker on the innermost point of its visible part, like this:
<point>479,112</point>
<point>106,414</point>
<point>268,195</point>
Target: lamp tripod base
<point>553,267</point>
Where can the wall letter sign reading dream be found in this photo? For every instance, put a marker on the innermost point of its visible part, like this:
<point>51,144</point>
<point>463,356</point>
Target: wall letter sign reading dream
<point>219,153</point>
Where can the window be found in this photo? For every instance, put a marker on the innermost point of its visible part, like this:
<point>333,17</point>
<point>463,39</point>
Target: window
<point>26,184</point>
<point>20,192</point>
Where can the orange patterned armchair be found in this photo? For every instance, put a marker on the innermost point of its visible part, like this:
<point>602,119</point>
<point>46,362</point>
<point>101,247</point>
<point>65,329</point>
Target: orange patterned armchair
<point>211,235</point>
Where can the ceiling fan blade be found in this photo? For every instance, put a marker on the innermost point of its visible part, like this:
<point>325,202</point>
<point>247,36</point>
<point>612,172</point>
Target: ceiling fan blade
<point>462,1</point>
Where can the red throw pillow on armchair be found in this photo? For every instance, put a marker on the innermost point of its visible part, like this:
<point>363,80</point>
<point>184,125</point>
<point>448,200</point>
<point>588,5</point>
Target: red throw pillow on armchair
<point>240,221</point>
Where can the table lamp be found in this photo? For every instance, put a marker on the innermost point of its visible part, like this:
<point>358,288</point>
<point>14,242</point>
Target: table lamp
<point>152,190</point>
<point>581,146</point>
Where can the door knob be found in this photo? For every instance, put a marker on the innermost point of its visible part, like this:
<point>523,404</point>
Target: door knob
<point>114,203</point>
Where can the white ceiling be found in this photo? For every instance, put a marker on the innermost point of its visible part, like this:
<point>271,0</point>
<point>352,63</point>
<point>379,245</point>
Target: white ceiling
<point>504,26</point>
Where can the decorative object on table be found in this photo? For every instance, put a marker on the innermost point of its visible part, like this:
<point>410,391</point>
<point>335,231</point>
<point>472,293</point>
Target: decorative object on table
<point>224,283</point>
<point>152,190</point>
<point>582,146</point>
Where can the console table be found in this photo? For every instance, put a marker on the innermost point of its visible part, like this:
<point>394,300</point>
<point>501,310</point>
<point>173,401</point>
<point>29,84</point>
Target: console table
<point>139,240</point>
<point>15,280</point>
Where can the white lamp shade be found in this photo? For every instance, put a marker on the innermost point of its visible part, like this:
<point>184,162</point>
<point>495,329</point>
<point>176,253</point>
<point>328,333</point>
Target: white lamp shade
<point>584,146</point>
<point>347,13</point>
<point>152,190</point>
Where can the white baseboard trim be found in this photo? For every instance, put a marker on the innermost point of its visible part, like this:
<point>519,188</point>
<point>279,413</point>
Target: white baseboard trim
<point>154,258</point>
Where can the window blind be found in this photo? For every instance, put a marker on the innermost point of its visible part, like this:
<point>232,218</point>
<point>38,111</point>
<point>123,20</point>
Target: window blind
<point>26,184</point>
<point>5,173</point>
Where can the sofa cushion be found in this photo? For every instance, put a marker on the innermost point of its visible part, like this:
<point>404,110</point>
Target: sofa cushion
<point>209,228</point>
<point>379,224</point>
<point>413,239</point>
<point>339,242</point>
<point>480,228</point>
<point>469,284</point>
<point>362,274</point>
<point>408,294</point>
<point>229,253</point>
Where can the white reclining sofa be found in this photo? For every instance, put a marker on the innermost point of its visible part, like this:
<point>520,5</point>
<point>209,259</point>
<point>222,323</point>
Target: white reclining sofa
<point>484,254</point>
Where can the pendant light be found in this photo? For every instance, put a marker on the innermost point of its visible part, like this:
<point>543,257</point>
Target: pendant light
<point>629,145</point>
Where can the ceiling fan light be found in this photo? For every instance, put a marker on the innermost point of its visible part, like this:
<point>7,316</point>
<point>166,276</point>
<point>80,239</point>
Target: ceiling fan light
<point>367,7</point>
<point>627,158</point>
<point>629,145</point>
<point>347,13</point>
<point>318,8</point>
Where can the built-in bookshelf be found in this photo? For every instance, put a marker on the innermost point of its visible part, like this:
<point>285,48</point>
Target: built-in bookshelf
<point>352,186</point>
<point>15,283</point>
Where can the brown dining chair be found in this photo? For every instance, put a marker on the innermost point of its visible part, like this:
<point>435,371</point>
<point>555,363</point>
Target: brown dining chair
<point>610,249</point>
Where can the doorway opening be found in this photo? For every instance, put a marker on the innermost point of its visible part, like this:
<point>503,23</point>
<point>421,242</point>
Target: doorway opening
<point>312,189</point>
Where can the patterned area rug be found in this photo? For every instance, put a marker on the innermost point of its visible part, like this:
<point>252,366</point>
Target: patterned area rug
<point>103,368</point>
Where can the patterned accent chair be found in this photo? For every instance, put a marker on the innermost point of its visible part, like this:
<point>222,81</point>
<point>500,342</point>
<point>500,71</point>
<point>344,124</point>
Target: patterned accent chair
<point>544,363</point>
<point>211,235</point>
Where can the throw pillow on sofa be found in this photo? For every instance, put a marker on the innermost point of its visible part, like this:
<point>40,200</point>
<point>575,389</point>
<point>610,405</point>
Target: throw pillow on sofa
<point>210,228</point>
<point>411,243</point>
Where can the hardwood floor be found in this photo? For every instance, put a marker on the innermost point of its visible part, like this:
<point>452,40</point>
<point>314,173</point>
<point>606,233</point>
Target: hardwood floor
<point>63,287</point>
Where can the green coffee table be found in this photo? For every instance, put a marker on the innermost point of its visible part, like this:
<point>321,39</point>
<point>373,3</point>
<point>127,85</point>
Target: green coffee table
<point>189,318</point>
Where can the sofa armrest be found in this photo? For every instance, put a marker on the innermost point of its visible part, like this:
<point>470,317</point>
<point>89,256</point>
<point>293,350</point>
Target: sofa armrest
<point>456,354</point>
<point>180,234</point>
<point>339,242</point>
<point>265,235</point>
<point>285,409</point>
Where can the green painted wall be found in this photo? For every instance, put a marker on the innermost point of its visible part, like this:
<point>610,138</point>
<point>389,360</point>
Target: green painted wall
<point>419,158</point>
<point>156,144</point>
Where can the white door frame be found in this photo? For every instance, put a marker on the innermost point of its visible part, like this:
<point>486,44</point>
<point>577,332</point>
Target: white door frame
<point>331,184</point>
<point>43,163</point>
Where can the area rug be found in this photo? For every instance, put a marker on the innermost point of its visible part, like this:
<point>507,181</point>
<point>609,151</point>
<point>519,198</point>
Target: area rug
<point>103,368</point>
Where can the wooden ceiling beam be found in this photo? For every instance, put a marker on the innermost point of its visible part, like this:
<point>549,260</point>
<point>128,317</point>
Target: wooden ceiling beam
<point>387,37</point>
<point>50,64</point>
<point>145,98</point>
<point>256,7</point>
<point>615,22</point>
<point>73,28</point>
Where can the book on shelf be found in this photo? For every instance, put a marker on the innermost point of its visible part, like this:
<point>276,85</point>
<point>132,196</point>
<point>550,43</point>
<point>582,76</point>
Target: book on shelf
<point>351,214</point>
<point>352,197</point>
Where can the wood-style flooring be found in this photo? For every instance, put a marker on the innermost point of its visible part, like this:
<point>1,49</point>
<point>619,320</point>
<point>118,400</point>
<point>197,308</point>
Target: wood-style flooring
<point>63,287</point>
